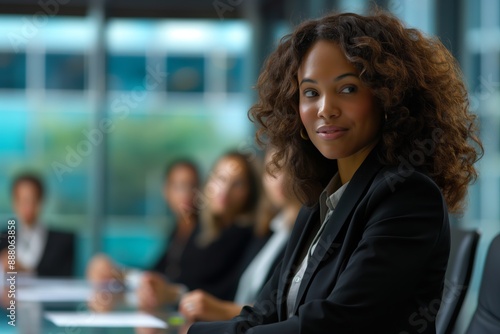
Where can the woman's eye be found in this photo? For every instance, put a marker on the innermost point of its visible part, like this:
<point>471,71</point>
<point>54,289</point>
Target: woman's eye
<point>310,93</point>
<point>348,89</point>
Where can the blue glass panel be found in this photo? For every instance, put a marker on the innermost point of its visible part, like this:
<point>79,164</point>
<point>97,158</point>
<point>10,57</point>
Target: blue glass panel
<point>12,70</point>
<point>126,72</point>
<point>13,132</point>
<point>235,75</point>
<point>186,74</point>
<point>65,71</point>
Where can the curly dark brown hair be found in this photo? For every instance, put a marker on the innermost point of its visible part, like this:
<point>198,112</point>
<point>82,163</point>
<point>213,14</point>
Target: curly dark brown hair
<point>415,80</point>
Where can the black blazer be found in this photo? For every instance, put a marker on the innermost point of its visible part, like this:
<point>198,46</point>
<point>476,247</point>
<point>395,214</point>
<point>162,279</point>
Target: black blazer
<point>58,258</point>
<point>215,268</point>
<point>378,268</point>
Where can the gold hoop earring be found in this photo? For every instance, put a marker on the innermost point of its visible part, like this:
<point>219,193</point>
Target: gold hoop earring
<point>386,117</point>
<point>302,135</point>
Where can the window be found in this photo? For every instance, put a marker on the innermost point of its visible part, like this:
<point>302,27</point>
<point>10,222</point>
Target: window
<point>185,74</point>
<point>235,75</point>
<point>12,70</point>
<point>64,71</point>
<point>126,72</point>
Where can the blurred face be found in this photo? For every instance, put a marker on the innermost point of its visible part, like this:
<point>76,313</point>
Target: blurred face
<point>274,185</point>
<point>338,111</point>
<point>27,203</point>
<point>228,188</point>
<point>179,191</point>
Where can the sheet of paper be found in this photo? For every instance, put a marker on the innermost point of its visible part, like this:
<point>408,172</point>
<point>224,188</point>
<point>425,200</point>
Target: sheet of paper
<point>54,293</point>
<point>113,319</point>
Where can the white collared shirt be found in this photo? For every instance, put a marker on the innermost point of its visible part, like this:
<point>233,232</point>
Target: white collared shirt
<point>30,245</point>
<point>329,199</point>
<point>253,278</point>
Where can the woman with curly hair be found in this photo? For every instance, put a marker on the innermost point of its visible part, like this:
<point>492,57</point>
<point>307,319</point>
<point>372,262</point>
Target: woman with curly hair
<point>371,119</point>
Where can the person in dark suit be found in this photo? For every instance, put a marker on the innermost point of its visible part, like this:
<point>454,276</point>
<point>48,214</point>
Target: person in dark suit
<point>180,183</point>
<point>40,251</point>
<point>371,120</point>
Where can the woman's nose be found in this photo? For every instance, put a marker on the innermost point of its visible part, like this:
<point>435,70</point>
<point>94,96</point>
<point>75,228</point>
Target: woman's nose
<point>328,107</point>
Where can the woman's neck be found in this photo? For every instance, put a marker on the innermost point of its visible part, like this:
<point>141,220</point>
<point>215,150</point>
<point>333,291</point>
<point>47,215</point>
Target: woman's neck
<point>29,225</point>
<point>349,165</point>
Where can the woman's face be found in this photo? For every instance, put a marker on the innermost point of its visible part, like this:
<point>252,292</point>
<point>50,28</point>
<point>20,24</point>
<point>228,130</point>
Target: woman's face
<point>337,110</point>
<point>228,188</point>
<point>180,188</point>
<point>274,186</point>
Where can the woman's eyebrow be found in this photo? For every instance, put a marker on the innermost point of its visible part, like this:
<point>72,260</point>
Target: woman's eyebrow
<point>340,77</point>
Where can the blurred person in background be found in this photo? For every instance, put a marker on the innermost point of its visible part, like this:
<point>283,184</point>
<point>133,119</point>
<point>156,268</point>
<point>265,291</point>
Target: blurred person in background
<point>277,212</point>
<point>215,251</point>
<point>181,181</point>
<point>40,251</point>
<point>179,190</point>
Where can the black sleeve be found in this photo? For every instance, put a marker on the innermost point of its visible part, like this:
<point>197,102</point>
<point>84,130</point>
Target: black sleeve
<point>217,267</point>
<point>58,259</point>
<point>161,263</point>
<point>264,312</point>
<point>163,260</point>
<point>3,240</point>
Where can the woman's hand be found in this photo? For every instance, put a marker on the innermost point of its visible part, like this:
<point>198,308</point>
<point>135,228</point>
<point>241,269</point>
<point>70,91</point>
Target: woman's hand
<point>154,291</point>
<point>103,301</point>
<point>101,270</point>
<point>199,305</point>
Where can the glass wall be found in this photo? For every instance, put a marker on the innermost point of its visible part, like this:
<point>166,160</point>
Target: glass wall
<point>482,69</point>
<point>175,88</point>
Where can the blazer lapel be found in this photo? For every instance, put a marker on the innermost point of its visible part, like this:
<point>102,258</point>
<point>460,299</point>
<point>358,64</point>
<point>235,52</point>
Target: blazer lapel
<point>352,195</point>
<point>307,217</point>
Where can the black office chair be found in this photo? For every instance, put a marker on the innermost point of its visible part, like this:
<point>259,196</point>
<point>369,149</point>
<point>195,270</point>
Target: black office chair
<point>458,275</point>
<point>486,319</point>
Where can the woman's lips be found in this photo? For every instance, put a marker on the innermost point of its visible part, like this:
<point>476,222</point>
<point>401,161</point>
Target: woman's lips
<point>330,132</point>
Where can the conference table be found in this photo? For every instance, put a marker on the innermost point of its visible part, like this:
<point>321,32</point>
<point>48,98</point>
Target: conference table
<point>71,306</point>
